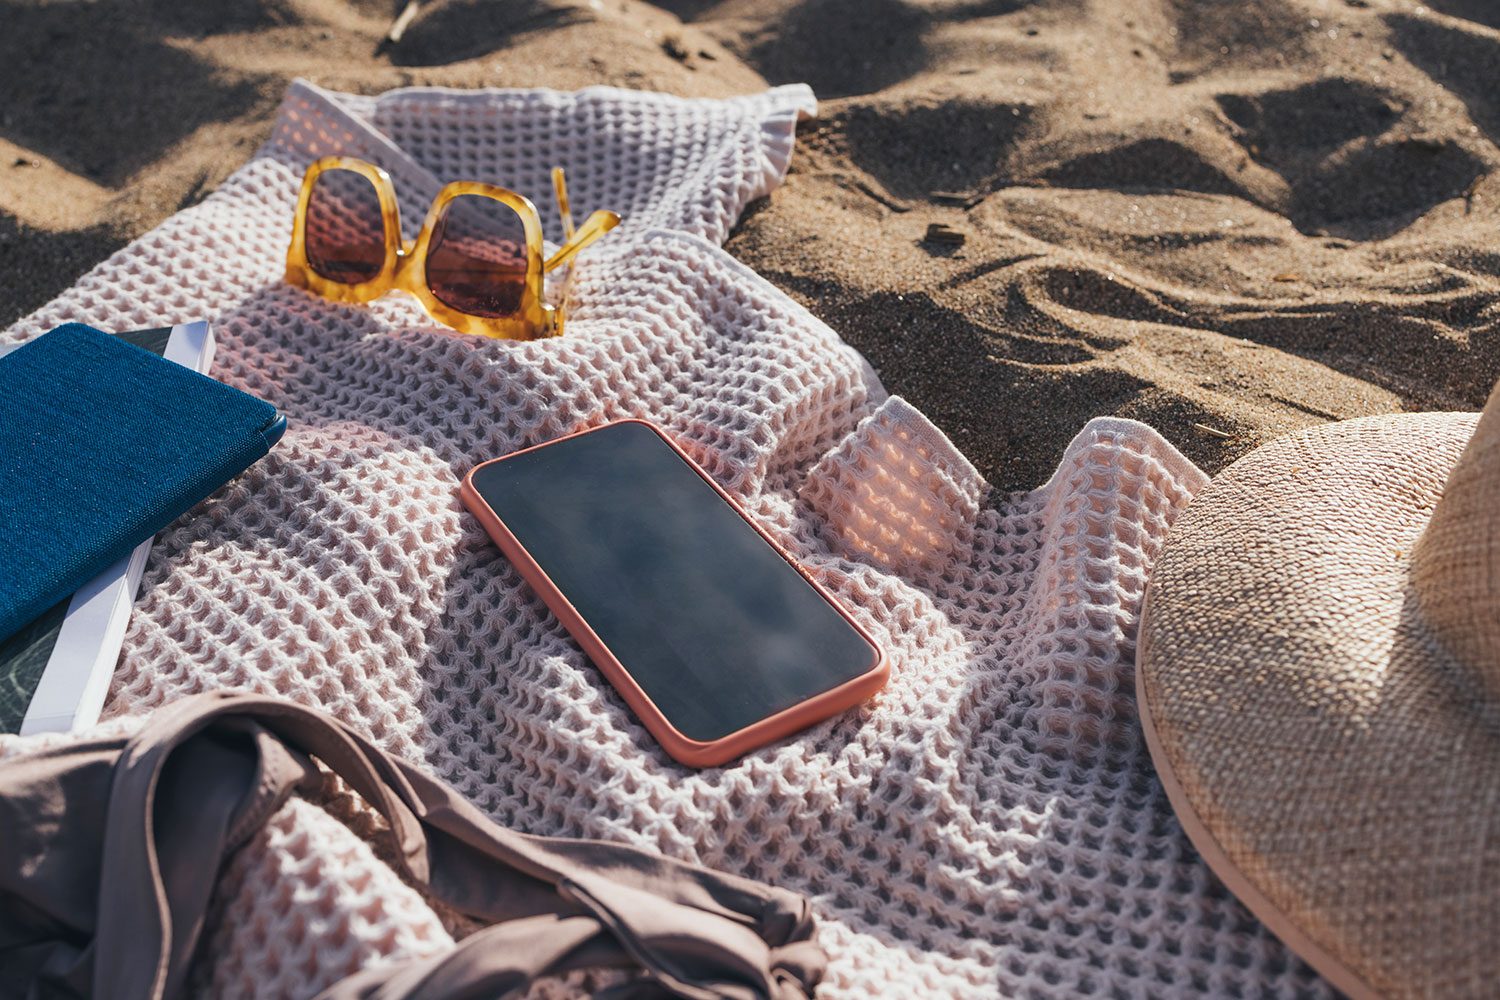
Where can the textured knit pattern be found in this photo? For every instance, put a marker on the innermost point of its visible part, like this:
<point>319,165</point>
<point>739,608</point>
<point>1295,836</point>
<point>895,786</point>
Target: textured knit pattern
<point>347,911</point>
<point>990,823</point>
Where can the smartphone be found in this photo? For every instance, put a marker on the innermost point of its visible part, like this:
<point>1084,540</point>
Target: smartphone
<point>714,636</point>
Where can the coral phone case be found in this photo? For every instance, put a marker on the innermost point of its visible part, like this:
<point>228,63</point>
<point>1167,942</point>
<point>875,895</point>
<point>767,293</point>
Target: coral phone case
<point>867,678</point>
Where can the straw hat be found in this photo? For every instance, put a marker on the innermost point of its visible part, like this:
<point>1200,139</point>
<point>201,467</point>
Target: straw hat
<point>1319,683</point>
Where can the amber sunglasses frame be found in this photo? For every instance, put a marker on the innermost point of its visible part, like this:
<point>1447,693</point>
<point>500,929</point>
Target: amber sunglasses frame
<point>405,265</point>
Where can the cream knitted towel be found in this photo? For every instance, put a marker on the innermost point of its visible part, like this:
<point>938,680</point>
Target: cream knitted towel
<point>989,824</point>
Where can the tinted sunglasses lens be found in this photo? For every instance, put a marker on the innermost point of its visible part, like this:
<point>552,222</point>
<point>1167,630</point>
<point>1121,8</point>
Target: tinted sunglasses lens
<point>476,260</point>
<point>345,229</point>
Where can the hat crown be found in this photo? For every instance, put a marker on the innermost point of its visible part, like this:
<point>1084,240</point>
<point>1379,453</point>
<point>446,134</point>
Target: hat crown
<point>1456,564</point>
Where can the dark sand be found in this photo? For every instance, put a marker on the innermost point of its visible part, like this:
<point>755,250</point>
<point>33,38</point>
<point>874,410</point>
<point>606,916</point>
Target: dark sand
<point>1226,219</point>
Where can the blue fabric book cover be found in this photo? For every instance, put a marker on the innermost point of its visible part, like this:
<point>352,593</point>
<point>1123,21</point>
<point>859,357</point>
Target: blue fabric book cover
<point>92,460</point>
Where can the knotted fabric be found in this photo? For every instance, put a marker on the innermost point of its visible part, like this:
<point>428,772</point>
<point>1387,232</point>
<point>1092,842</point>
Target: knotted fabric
<point>111,849</point>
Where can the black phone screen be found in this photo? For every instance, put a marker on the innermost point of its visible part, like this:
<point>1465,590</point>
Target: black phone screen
<point>715,626</point>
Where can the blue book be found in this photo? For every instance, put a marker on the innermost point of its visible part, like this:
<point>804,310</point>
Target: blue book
<point>94,461</point>
<point>55,672</point>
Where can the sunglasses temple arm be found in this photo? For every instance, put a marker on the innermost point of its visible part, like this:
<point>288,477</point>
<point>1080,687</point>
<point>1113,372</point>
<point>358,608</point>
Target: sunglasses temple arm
<point>593,227</point>
<point>560,188</point>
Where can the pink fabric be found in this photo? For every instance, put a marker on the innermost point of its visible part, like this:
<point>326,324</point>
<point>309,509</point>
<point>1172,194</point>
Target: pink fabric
<point>989,823</point>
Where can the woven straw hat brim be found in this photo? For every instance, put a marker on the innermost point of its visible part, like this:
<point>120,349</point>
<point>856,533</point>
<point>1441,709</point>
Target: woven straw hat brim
<point>1333,762</point>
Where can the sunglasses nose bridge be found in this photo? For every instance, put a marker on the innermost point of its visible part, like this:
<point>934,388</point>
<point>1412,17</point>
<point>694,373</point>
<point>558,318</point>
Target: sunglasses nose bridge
<point>405,254</point>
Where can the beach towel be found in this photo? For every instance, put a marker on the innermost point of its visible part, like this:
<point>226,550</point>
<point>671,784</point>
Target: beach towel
<point>989,824</point>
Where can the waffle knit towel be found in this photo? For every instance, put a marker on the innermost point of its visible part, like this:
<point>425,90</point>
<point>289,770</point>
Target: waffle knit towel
<point>989,824</point>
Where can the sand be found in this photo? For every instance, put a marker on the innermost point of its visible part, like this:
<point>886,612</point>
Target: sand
<point>1226,219</point>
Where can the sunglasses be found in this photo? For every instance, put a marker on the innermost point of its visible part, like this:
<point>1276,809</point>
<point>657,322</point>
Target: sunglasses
<point>477,265</point>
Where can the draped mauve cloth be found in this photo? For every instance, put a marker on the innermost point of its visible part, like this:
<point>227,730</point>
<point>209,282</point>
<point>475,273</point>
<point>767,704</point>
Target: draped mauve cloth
<point>114,845</point>
<point>988,824</point>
